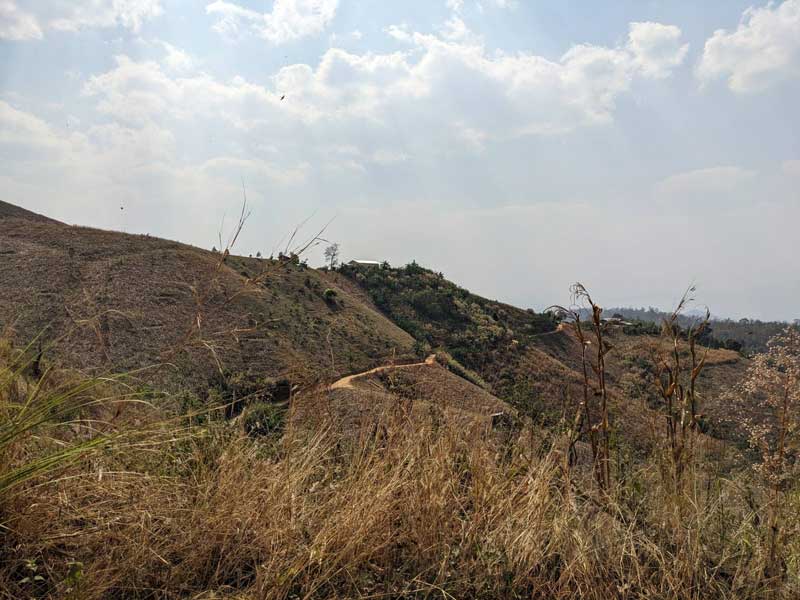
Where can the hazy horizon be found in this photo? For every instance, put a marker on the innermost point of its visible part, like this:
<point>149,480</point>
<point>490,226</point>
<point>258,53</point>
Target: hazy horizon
<point>514,147</point>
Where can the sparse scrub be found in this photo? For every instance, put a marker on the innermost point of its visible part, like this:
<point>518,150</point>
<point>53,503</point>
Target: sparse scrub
<point>772,384</point>
<point>264,418</point>
<point>34,412</point>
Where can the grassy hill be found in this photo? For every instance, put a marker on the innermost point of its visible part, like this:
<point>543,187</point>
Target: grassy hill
<point>481,334</point>
<point>115,302</point>
<point>411,392</point>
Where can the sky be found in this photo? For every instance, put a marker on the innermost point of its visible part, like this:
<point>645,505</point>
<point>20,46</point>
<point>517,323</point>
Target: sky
<point>638,146</point>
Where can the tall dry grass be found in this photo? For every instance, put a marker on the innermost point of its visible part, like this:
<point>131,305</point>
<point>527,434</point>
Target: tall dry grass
<point>402,510</point>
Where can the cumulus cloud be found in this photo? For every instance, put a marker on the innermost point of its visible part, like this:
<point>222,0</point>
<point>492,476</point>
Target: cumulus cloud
<point>140,166</point>
<point>764,49</point>
<point>370,114</point>
<point>17,25</point>
<point>137,92</point>
<point>440,89</point>
<point>656,48</point>
<point>130,14</point>
<point>20,127</point>
<point>455,5</point>
<point>289,19</point>
<point>176,59</point>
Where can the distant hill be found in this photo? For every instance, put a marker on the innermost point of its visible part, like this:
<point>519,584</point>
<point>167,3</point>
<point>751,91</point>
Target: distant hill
<point>748,335</point>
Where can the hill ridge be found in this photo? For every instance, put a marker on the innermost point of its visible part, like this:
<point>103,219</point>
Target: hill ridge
<point>12,211</point>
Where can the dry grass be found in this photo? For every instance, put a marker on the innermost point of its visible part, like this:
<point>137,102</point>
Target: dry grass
<point>406,510</point>
<point>141,296</point>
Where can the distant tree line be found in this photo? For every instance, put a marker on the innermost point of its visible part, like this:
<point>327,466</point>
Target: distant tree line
<point>748,336</point>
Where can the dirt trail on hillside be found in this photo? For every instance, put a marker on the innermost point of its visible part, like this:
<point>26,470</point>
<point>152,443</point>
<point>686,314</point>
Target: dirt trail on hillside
<point>347,382</point>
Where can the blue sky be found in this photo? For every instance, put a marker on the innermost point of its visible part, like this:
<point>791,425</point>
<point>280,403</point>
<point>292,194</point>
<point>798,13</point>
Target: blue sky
<point>636,146</point>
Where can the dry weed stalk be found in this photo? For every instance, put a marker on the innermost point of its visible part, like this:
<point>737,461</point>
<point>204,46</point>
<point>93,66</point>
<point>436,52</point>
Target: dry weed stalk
<point>594,422</point>
<point>677,385</point>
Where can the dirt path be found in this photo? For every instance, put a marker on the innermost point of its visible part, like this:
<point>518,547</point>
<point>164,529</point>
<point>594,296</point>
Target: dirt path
<point>347,382</point>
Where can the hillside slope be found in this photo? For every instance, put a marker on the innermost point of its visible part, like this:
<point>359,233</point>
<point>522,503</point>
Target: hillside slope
<point>8,211</point>
<point>113,302</point>
<point>415,391</point>
<point>526,359</point>
<point>119,302</point>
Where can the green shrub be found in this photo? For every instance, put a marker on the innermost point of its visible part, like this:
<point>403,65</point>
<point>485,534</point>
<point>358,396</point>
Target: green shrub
<point>264,418</point>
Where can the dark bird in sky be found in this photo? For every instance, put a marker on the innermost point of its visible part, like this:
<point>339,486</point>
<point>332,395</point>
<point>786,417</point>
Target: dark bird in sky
<point>282,97</point>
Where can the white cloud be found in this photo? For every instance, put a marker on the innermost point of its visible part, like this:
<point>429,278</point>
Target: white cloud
<point>84,176</point>
<point>289,19</point>
<point>656,48</point>
<point>130,14</point>
<point>703,183</point>
<point>401,32</point>
<point>455,5</point>
<point>16,25</point>
<point>21,127</point>
<point>141,92</point>
<point>176,59</point>
<point>43,15</point>
<point>764,49</point>
<point>455,29</point>
<point>501,4</point>
<point>344,38</point>
<point>441,89</point>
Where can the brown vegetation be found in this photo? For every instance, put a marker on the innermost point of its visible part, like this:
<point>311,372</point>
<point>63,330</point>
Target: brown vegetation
<point>593,472</point>
<point>139,296</point>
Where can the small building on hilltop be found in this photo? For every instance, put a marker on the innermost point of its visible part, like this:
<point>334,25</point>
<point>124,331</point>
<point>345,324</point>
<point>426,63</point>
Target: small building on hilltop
<point>365,263</point>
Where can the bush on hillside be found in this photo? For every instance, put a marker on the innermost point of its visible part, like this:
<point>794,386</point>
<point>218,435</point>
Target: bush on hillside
<point>263,419</point>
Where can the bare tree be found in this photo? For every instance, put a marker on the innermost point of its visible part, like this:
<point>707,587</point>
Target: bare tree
<point>332,255</point>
